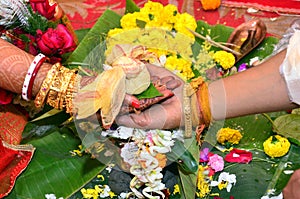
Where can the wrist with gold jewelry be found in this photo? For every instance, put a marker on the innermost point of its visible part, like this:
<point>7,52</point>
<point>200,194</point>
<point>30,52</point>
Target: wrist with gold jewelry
<point>58,88</point>
<point>200,105</point>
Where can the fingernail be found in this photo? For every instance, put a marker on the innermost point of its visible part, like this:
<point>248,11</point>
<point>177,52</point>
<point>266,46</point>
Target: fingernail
<point>135,104</point>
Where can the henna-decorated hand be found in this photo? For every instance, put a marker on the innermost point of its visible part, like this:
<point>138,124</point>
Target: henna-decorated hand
<point>164,115</point>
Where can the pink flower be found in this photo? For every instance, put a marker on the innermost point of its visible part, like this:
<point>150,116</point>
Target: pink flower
<point>216,162</point>
<point>50,10</point>
<point>55,41</point>
<point>204,155</point>
<point>239,156</point>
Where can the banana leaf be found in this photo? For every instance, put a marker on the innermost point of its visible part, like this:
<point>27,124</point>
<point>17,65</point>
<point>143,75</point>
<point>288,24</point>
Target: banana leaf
<point>53,170</point>
<point>263,173</point>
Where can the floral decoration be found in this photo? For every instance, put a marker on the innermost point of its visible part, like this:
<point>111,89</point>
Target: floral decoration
<point>276,146</point>
<point>239,156</point>
<point>37,26</point>
<point>229,135</point>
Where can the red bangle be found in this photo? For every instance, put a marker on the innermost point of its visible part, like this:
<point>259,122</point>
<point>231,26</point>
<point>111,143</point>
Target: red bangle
<point>30,76</point>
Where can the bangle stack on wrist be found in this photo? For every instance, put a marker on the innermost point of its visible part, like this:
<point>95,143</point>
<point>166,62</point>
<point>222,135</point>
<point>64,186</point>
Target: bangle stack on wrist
<point>58,88</point>
<point>30,76</point>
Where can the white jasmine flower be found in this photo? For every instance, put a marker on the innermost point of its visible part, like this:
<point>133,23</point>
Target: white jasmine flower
<point>225,180</point>
<point>104,191</point>
<point>109,167</point>
<point>51,196</point>
<point>122,195</point>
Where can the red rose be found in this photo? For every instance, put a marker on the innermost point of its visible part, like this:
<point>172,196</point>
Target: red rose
<point>50,10</point>
<point>55,41</point>
<point>239,156</point>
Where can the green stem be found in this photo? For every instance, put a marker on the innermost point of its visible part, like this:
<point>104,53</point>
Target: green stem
<point>272,122</point>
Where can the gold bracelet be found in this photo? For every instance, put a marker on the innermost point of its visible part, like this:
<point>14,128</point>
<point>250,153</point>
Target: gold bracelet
<point>72,90</point>
<point>45,87</point>
<point>55,88</point>
<point>63,89</point>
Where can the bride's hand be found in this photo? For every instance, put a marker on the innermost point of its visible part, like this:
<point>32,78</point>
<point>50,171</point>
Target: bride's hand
<point>165,115</point>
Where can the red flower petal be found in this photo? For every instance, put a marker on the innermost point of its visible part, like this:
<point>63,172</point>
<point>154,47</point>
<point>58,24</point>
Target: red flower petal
<point>239,156</point>
<point>5,97</point>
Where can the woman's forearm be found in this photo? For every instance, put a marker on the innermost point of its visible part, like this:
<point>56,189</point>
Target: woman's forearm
<point>256,90</point>
<point>14,64</point>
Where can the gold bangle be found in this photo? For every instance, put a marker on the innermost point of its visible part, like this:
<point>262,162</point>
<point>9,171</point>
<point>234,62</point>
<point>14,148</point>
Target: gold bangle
<point>63,89</point>
<point>72,90</point>
<point>55,88</point>
<point>45,87</point>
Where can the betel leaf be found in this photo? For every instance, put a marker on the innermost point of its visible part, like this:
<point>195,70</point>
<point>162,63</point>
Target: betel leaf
<point>150,92</point>
<point>54,170</point>
<point>288,125</point>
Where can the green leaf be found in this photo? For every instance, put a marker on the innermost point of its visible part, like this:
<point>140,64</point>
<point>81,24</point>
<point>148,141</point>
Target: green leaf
<point>188,181</point>
<point>262,173</point>
<point>54,170</point>
<point>131,7</point>
<point>81,33</point>
<point>90,51</point>
<point>151,92</point>
<point>288,125</point>
<point>140,23</point>
<point>44,124</point>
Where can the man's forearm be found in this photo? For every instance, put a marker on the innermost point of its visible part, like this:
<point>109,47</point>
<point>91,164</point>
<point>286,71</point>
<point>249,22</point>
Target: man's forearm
<point>256,90</point>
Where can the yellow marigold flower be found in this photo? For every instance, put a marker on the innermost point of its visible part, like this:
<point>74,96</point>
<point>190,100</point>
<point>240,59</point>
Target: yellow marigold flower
<point>152,7</point>
<point>128,21</point>
<point>171,62</point>
<point>170,14</point>
<point>176,189</point>
<point>210,4</point>
<point>225,59</point>
<point>181,66</point>
<point>114,32</point>
<point>185,21</point>
<point>202,183</point>
<point>228,135</point>
<point>276,146</point>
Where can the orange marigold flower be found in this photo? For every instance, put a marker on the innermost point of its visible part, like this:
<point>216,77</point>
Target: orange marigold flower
<point>210,4</point>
